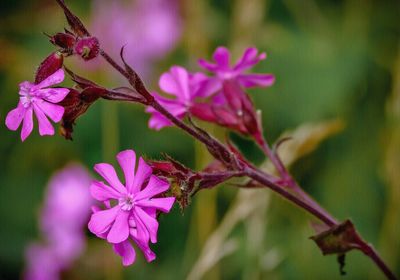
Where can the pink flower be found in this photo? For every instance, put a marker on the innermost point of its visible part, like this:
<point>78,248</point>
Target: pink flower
<point>42,263</point>
<point>64,214</point>
<point>134,214</point>
<point>224,71</point>
<point>38,98</point>
<point>66,211</point>
<point>184,87</point>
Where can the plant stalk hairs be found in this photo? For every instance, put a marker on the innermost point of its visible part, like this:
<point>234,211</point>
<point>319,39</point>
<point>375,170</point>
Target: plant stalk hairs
<point>129,211</point>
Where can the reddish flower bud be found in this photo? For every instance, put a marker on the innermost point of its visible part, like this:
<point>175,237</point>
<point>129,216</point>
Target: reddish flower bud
<point>203,111</point>
<point>88,47</point>
<point>49,66</point>
<point>65,41</point>
<point>182,178</point>
<point>237,112</point>
<point>76,104</point>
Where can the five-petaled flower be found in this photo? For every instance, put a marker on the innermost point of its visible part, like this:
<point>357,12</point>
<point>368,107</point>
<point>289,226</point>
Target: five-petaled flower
<point>131,209</point>
<point>185,87</point>
<point>41,99</point>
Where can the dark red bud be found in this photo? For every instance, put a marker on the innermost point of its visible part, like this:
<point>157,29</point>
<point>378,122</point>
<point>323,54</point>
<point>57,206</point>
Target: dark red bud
<point>76,104</point>
<point>163,168</point>
<point>65,41</point>
<point>233,94</point>
<point>88,47</point>
<point>225,117</point>
<point>250,122</point>
<point>49,65</point>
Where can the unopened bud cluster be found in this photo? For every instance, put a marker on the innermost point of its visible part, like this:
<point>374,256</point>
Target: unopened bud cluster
<point>86,47</point>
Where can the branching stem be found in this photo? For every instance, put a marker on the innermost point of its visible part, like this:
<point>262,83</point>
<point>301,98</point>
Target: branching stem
<point>288,189</point>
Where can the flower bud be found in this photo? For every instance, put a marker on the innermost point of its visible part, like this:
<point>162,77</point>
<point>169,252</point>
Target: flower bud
<point>49,66</point>
<point>88,47</point>
<point>76,104</point>
<point>65,41</point>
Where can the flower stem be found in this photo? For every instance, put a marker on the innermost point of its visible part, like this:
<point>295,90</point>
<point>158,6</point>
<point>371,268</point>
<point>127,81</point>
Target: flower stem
<point>294,194</point>
<point>304,201</point>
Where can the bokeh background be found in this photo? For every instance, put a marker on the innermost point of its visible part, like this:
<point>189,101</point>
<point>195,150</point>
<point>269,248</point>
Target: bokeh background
<point>333,60</point>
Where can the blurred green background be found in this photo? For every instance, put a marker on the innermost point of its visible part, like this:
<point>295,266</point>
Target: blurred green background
<point>332,60</point>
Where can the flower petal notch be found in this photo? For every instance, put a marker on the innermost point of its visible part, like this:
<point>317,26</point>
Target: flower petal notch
<point>133,218</point>
<point>40,99</point>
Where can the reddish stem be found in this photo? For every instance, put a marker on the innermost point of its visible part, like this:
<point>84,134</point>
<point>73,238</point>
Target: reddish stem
<point>222,153</point>
<point>305,201</point>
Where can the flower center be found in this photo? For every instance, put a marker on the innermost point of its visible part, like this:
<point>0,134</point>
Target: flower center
<point>126,202</point>
<point>227,75</point>
<point>26,99</point>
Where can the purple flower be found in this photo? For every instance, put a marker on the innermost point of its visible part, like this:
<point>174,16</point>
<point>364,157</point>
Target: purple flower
<point>63,216</point>
<point>67,201</point>
<point>133,215</point>
<point>42,263</point>
<point>184,87</point>
<point>224,71</point>
<point>38,98</point>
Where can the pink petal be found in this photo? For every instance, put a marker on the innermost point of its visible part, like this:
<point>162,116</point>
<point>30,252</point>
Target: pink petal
<point>102,192</point>
<point>45,127</point>
<point>207,65</point>
<point>209,87</point>
<point>151,211</point>
<point>168,84</point>
<point>197,78</point>
<point>126,251</point>
<point>53,111</point>
<point>107,171</point>
<point>176,82</point>
<point>147,252</point>
<point>158,121</point>
<point>15,117</point>
<point>53,79</point>
<point>140,234</point>
<point>120,229</point>
<point>178,110</point>
<point>143,172</point>
<point>149,222</point>
<point>127,161</point>
<point>25,87</point>
<point>222,58</point>
<point>54,95</point>
<point>154,187</point>
<point>251,80</point>
<point>27,125</point>
<point>174,106</point>
<point>250,57</point>
<point>163,204</point>
<point>101,221</point>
